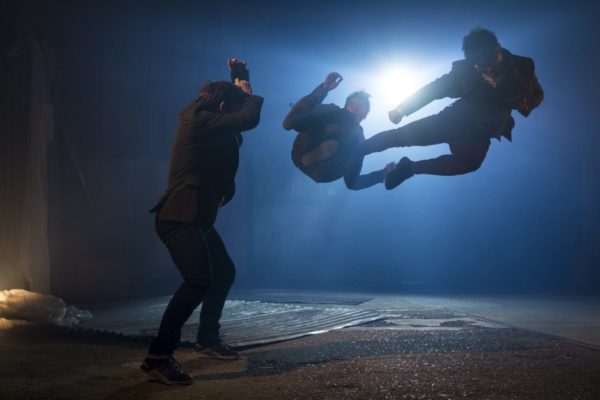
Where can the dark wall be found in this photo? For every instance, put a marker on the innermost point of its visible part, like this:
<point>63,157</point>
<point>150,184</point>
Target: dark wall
<point>527,221</point>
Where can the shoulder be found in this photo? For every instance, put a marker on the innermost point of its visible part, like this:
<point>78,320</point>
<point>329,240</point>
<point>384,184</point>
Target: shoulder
<point>520,62</point>
<point>329,107</point>
<point>462,71</point>
<point>359,132</point>
<point>190,109</point>
<point>255,99</point>
<point>462,66</point>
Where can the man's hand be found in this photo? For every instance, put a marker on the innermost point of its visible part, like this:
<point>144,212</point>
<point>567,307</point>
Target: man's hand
<point>239,74</point>
<point>237,66</point>
<point>332,80</point>
<point>396,115</point>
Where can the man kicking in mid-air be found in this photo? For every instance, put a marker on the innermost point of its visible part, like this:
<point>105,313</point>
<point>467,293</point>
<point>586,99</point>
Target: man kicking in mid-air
<point>489,83</point>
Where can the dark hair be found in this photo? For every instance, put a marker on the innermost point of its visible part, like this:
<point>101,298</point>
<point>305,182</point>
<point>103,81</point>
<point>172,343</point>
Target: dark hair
<point>213,93</point>
<point>362,96</point>
<point>479,43</point>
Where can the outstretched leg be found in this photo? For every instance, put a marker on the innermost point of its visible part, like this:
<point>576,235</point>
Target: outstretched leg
<point>428,131</point>
<point>466,156</point>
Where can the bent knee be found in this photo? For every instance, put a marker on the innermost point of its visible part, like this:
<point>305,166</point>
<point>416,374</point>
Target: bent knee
<point>225,274</point>
<point>472,163</point>
<point>197,282</point>
<point>230,275</point>
<point>471,155</point>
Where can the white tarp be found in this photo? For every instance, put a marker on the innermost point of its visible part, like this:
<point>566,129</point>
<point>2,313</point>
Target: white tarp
<point>41,308</point>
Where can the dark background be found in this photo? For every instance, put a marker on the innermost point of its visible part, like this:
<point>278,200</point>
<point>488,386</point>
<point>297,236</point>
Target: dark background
<point>527,222</point>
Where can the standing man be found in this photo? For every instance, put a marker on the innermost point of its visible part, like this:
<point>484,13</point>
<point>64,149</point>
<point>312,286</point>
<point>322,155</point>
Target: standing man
<point>489,83</point>
<point>328,135</point>
<point>204,161</point>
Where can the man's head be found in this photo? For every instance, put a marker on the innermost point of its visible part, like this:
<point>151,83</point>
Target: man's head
<point>358,105</point>
<point>481,47</point>
<point>221,96</point>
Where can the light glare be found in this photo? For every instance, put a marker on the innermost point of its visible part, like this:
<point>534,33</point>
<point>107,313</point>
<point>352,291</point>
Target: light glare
<point>394,84</point>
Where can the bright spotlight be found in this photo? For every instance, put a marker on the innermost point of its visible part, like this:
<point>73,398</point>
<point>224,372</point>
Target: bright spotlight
<point>392,84</point>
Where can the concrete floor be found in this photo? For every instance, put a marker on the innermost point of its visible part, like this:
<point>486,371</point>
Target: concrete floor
<point>568,317</point>
<point>426,347</point>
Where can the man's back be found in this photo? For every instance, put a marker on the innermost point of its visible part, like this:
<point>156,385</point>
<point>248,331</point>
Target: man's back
<point>328,122</point>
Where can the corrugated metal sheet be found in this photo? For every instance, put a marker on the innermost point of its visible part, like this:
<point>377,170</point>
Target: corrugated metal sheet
<point>299,296</point>
<point>243,323</point>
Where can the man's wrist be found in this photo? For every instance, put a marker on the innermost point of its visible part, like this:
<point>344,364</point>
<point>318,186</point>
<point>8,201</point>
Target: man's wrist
<point>240,72</point>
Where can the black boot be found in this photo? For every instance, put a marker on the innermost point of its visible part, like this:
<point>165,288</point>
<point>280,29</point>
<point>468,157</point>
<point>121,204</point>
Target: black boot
<point>401,172</point>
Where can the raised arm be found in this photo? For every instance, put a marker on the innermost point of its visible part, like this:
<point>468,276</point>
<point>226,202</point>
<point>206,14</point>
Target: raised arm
<point>240,75</point>
<point>303,111</point>
<point>444,86</point>
<point>448,85</point>
<point>247,116</point>
<point>245,119</point>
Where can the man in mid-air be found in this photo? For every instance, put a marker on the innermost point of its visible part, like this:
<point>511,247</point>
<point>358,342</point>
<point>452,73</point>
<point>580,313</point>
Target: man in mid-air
<point>328,135</point>
<point>489,83</point>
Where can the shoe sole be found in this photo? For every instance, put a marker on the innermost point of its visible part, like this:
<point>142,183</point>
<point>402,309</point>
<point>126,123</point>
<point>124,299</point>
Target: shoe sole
<point>392,181</point>
<point>218,356</point>
<point>394,178</point>
<point>163,379</point>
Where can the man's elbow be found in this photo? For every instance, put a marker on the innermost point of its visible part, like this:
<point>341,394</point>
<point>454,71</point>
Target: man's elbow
<point>288,123</point>
<point>254,123</point>
<point>350,183</point>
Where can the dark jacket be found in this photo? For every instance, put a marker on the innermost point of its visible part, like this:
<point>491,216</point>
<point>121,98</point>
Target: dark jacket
<point>315,123</point>
<point>480,105</point>
<point>204,161</point>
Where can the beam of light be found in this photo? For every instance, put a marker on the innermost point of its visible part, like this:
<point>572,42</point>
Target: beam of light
<point>390,85</point>
<point>390,82</point>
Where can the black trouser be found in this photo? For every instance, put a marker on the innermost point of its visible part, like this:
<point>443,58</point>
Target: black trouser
<point>207,272</point>
<point>468,145</point>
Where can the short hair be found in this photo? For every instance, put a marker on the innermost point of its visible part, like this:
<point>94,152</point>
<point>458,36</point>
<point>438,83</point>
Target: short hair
<point>213,93</point>
<point>479,43</point>
<point>360,95</point>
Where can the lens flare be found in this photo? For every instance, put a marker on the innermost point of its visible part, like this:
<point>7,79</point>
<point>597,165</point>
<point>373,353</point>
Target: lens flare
<point>392,84</point>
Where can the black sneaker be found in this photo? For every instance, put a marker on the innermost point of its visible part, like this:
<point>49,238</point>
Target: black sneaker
<point>217,350</point>
<point>401,172</point>
<point>166,370</point>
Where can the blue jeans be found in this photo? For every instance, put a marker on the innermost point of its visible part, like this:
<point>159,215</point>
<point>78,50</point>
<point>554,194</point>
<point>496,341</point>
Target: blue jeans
<point>208,273</point>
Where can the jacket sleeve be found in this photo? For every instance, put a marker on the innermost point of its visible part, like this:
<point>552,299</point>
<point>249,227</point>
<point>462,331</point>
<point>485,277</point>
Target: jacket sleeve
<point>304,110</point>
<point>447,85</point>
<point>354,180</point>
<point>535,92</point>
<point>359,182</point>
<point>245,119</point>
